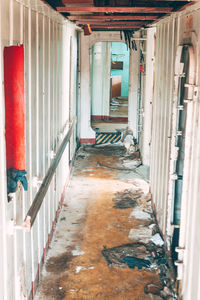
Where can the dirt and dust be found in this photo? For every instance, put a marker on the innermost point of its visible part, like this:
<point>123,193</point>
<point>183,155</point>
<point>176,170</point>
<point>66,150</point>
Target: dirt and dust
<point>127,198</point>
<point>52,288</point>
<point>89,223</point>
<point>58,263</point>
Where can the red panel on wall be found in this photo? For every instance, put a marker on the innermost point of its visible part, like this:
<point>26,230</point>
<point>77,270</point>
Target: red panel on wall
<point>14,106</point>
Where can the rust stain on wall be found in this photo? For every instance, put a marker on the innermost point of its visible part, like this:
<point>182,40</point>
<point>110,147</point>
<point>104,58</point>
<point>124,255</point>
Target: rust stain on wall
<point>189,22</point>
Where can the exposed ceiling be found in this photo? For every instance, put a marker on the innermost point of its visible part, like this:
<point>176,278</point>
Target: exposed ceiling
<point>117,14</point>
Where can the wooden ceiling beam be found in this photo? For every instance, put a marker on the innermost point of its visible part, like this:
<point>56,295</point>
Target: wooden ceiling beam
<point>121,9</point>
<point>119,27</point>
<point>171,1</point>
<point>89,17</point>
<point>137,2</point>
<point>113,23</point>
<point>75,2</point>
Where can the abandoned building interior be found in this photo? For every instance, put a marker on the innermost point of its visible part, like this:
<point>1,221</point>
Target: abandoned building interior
<point>99,149</point>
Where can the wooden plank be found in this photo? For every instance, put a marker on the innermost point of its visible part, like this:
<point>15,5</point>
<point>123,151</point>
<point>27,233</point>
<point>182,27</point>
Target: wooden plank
<point>93,22</point>
<point>93,9</point>
<point>120,27</point>
<point>145,3</point>
<point>75,2</point>
<point>89,17</point>
<point>186,5</point>
<point>171,1</point>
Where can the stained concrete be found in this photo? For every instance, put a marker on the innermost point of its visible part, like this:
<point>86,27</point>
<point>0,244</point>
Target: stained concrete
<point>75,267</point>
<point>109,126</point>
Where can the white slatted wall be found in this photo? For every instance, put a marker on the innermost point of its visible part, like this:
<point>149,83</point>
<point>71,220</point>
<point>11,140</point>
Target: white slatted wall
<point>46,38</point>
<point>178,29</point>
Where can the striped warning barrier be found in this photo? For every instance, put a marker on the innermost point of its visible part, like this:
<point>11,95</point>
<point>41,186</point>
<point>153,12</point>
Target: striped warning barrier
<point>107,137</point>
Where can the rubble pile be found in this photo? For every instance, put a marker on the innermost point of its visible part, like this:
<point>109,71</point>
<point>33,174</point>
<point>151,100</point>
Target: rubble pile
<point>146,252</point>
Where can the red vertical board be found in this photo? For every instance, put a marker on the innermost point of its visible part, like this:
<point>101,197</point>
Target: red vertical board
<point>14,107</point>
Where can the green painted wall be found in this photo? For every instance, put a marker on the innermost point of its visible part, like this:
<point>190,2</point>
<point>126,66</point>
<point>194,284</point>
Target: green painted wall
<point>121,49</point>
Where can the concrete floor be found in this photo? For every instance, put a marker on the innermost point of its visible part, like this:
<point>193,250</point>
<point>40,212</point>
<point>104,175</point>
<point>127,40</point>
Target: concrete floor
<point>111,126</point>
<point>122,109</point>
<point>75,267</point>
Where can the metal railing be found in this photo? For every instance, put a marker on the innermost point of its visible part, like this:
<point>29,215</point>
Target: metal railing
<point>37,202</point>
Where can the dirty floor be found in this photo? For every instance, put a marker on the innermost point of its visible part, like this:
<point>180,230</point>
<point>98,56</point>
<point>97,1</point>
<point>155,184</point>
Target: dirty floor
<point>121,109</point>
<point>102,246</point>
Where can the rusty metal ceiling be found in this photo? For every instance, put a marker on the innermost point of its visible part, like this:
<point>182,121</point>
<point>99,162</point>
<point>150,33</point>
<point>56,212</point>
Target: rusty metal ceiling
<point>117,14</point>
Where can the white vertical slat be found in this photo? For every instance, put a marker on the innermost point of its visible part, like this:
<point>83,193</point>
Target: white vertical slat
<point>37,130</point>
<point>198,286</point>
<point>37,94</point>
<point>24,253</point>
<point>16,294</point>
<point>154,124</point>
<point>157,117</point>
<point>133,89</point>
<point>55,113</point>
<point>191,173</point>
<point>40,131</point>
<point>160,135</point>
<point>149,81</point>
<point>44,93</point>
<point>51,118</point>
<point>193,235</point>
<point>168,129</point>
<point>58,105</point>
<point>11,22</point>
<point>172,130</point>
<point>30,132</point>
<point>166,115</point>
<point>21,23</point>
<point>49,115</point>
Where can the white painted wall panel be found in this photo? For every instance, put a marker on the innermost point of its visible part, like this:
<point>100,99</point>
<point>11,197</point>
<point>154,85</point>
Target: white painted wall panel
<point>148,94</point>
<point>45,35</point>
<point>178,29</point>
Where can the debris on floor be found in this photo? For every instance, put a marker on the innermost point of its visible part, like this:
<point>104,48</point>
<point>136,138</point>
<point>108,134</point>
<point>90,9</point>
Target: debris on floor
<point>154,289</point>
<point>157,240</point>
<point>132,164</point>
<point>80,268</point>
<point>122,165</point>
<point>140,263</point>
<point>126,199</point>
<point>115,256</point>
<point>139,214</point>
<point>106,205</point>
<point>77,252</point>
<point>129,141</point>
<point>107,150</point>
<point>147,250</point>
<point>144,256</point>
<point>142,234</point>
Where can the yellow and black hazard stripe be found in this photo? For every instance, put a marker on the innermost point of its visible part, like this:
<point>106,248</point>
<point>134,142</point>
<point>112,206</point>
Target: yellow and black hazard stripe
<point>106,137</point>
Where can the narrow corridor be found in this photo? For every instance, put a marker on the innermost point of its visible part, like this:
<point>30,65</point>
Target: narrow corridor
<point>107,204</point>
<point>77,216</point>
